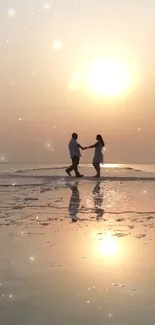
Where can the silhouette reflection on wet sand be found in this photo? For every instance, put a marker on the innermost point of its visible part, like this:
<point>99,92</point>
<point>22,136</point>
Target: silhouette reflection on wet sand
<point>74,204</point>
<point>98,200</point>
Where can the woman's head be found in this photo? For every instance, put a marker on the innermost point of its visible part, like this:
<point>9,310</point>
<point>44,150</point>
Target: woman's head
<point>100,139</point>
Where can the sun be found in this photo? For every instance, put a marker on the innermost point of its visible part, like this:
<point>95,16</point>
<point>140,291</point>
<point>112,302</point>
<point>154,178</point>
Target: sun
<point>108,77</point>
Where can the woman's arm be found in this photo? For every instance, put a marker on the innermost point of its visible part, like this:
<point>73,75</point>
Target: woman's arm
<point>93,146</point>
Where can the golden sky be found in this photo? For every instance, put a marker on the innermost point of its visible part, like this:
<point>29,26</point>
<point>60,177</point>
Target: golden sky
<point>53,81</point>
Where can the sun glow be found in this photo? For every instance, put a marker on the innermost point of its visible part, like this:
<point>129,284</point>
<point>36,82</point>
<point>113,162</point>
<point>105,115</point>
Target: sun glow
<point>108,77</point>
<point>105,77</point>
<point>106,246</point>
<point>109,245</point>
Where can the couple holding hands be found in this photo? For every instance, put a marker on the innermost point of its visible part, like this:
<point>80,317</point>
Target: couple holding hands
<point>74,149</point>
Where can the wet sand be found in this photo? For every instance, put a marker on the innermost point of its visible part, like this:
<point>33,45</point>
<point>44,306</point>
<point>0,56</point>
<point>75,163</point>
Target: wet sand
<point>77,253</point>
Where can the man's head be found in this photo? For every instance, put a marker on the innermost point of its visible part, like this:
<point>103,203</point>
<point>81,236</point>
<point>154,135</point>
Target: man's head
<point>74,136</point>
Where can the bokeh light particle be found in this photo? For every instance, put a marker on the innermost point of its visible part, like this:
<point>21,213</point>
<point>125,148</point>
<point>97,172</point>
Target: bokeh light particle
<point>57,45</point>
<point>11,12</point>
<point>46,6</point>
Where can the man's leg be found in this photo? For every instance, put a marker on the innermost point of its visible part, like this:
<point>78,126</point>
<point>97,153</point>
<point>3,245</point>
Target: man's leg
<point>69,169</point>
<point>75,163</point>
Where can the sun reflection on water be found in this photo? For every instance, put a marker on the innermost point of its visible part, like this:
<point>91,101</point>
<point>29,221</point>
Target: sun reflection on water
<point>106,245</point>
<point>109,245</point>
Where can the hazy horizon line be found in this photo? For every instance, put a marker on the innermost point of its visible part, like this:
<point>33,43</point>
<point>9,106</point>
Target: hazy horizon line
<point>67,163</point>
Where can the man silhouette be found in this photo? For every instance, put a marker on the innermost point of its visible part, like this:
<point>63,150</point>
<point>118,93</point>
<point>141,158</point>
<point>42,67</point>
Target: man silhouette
<point>74,149</point>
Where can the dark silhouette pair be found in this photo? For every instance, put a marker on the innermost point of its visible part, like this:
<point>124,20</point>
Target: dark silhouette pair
<point>74,149</point>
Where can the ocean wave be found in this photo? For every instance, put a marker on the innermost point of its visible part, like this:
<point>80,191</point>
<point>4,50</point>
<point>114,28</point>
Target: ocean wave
<point>132,168</point>
<point>62,167</point>
<point>39,169</point>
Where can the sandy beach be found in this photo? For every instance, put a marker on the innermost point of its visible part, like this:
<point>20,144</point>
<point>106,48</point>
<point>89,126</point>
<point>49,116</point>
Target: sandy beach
<point>77,252</point>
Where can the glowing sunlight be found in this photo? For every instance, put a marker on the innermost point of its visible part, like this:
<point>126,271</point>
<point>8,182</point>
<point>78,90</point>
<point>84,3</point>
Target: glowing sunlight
<point>106,246</point>
<point>109,245</point>
<point>105,77</point>
<point>108,77</point>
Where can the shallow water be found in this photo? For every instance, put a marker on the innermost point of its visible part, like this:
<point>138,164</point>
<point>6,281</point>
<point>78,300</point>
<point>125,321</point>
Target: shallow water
<point>77,253</point>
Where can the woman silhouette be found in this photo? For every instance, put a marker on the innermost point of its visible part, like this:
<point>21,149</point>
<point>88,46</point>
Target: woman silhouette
<point>98,155</point>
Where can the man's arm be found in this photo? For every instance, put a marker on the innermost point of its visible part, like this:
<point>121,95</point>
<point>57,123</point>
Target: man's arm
<point>80,146</point>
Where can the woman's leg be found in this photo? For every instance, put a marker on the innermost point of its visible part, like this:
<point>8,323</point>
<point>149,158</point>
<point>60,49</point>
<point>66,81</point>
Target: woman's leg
<point>97,168</point>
